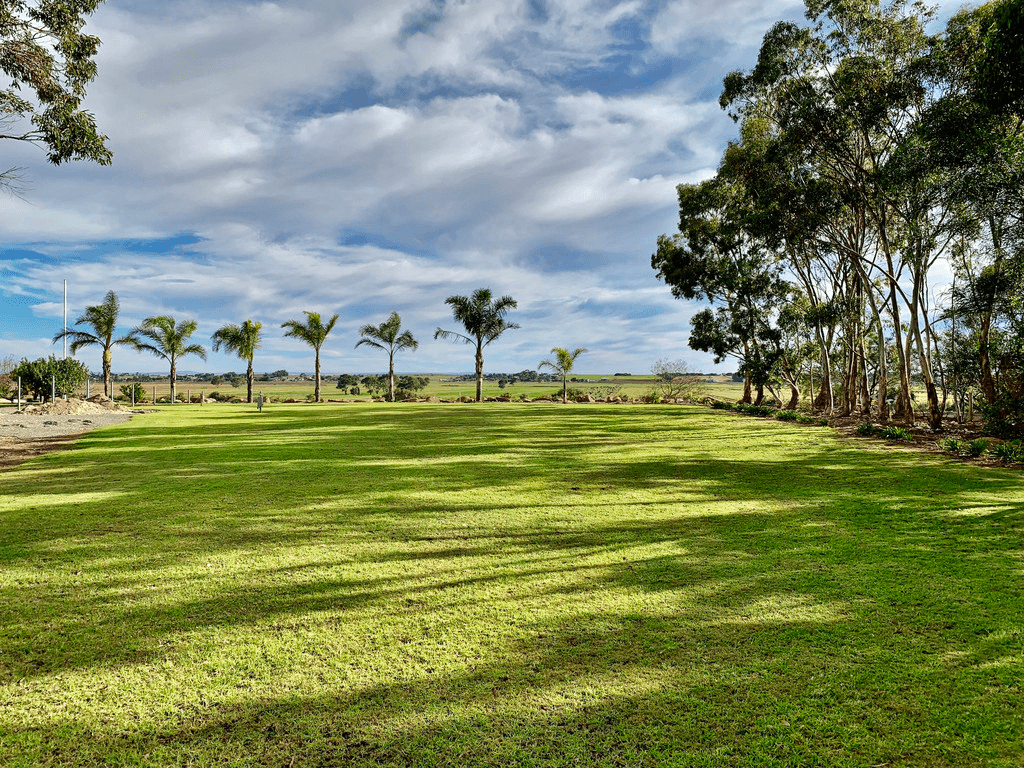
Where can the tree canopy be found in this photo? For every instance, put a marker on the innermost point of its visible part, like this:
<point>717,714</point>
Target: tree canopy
<point>49,61</point>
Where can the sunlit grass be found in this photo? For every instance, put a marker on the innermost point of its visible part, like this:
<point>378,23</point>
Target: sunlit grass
<point>503,585</point>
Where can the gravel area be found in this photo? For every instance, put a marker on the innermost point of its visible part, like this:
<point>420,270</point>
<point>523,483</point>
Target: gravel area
<point>54,427</point>
<point>26,426</point>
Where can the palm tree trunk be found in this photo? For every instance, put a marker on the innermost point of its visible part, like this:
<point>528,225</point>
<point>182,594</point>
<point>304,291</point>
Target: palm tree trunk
<point>391,378</point>
<point>249,378</point>
<point>106,373</point>
<point>564,398</point>
<point>479,372</point>
<point>174,375</point>
<point>316,387</point>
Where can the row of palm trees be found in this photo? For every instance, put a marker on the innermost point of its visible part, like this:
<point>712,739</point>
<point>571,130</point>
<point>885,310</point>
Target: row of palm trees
<point>482,317</point>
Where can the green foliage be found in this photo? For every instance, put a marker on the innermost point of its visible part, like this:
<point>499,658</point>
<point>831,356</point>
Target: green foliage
<point>953,445</point>
<point>722,405</point>
<point>977,447</point>
<point>784,415</point>
<point>43,50</point>
<point>762,411</point>
<point>139,391</point>
<point>894,433</point>
<point>38,376</point>
<point>1009,452</point>
<point>866,430</point>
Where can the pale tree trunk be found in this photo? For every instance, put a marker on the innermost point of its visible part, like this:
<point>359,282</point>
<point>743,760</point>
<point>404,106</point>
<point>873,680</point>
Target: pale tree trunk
<point>174,375</point>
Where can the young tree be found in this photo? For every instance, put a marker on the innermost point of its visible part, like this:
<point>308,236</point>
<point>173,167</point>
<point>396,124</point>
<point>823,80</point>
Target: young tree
<point>47,376</point>
<point>168,340</point>
<point>43,51</point>
<point>103,319</point>
<point>483,317</point>
<point>243,340</point>
<point>313,332</point>
<point>562,364</point>
<point>389,337</point>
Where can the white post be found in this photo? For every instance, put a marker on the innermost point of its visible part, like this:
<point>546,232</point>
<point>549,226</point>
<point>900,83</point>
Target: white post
<point>188,396</point>
<point>65,319</point>
<point>19,393</point>
<point>87,382</point>
<point>154,394</point>
<point>53,389</point>
<point>133,394</point>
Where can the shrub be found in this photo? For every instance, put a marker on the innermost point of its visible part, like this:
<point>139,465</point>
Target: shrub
<point>721,405</point>
<point>215,395</point>
<point>894,433</point>
<point>786,415</point>
<point>1009,452</point>
<point>866,430</point>
<point>977,447</point>
<point>952,445</point>
<point>754,410</point>
<point>138,389</point>
<point>806,419</point>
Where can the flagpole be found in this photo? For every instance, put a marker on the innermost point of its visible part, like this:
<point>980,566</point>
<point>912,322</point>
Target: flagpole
<point>65,319</point>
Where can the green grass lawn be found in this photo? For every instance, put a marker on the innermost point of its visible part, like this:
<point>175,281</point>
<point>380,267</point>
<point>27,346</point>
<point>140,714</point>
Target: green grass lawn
<point>503,584</point>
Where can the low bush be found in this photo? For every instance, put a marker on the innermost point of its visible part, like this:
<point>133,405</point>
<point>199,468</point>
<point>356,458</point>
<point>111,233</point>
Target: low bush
<point>953,445</point>
<point>786,415</point>
<point>1010,452</point>
<point>754,410</point>
<point>977,447</point>
<point>894,434</point>
<point>721,405</point>
<point>866,430</point>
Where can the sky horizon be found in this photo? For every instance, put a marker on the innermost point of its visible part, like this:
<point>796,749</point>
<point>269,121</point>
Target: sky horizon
<point>339,157</point>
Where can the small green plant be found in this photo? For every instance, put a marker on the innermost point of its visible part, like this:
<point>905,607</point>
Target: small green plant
<point>1009,452</point>
<point>802,419</point>
<point>822,422</point>
<point>977,447</point>
<point>952,445</point>
<point>721,405</point>
<point>786,415</point>
<point>894,433</point>
<point>866,430</point>
<point>139,390</point>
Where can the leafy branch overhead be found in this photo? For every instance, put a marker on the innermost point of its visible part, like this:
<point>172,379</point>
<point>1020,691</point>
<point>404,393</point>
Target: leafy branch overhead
<point>50,61</point>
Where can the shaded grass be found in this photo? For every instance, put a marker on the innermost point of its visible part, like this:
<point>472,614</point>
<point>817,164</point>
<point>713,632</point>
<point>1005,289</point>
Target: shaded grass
<point>436,585</point>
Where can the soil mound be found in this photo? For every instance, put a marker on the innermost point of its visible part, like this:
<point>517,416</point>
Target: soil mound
<point>73,406</point>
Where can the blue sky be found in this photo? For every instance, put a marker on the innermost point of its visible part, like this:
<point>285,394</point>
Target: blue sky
<point>364,158</point>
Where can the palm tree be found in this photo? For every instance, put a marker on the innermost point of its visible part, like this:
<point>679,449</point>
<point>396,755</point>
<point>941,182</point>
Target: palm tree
<point>386,336</point>
<point>168,341</point>
<point>562,364</point>
<point>243,340</point>
<point>314,333</point>
<point>103,319</point>
<point>484,320</point>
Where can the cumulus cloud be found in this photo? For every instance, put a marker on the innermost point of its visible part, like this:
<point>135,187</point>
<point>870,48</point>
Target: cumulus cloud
<point>360,158</point>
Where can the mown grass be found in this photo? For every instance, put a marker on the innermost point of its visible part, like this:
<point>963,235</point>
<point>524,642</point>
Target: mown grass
<point>505,585</point>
